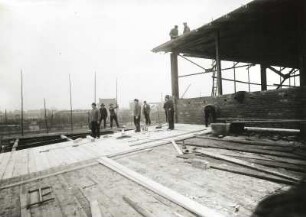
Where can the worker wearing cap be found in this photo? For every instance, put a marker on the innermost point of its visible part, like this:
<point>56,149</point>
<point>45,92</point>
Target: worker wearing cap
<point>174,32</point>
<point>186,28</point>
<point>103,115</point>
<point>169,108</point>
<point>137,113</point>
<point>94,117</point>
<point>113,115</point>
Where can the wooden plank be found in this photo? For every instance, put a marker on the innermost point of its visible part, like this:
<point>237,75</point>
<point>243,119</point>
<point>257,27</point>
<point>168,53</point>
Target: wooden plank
<point>175,197</point>
<point>10,166</point>
<point>95,209</point>
<point>271,163</point>
<point>246,149</point>
<point>249,165</point>
<point>142,211</point>
<point>31,164</point>
<point>176,147</point>
<point>25,212</point>
<point>15,145</point>
<point>4,163</point>
<point>247,142</point>
<point>48,175</point>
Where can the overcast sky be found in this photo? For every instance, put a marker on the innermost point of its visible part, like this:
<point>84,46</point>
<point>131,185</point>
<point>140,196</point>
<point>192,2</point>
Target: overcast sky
<point>50,39</point>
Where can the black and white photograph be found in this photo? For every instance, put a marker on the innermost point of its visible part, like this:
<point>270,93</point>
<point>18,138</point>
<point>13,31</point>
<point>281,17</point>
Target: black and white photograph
<point>152,108</point>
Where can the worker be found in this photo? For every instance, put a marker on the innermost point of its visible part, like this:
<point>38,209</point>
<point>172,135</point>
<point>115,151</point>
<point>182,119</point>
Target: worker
<point>113,115</point>
<point>209,114</point>
<point>146,109</point>
<point>174,32</point>
<point>103,115</point>
<point>94,117</point>
<point>137,113</point>
<point>169,108</point>
<point>186,28</point>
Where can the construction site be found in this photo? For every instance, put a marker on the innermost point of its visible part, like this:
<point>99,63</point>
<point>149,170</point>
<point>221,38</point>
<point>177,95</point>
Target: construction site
<point>244,156</point>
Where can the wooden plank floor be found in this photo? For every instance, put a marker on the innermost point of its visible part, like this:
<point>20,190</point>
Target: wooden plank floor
<point>73,191</point>
<point>215,189</point>
<point>14,164</point>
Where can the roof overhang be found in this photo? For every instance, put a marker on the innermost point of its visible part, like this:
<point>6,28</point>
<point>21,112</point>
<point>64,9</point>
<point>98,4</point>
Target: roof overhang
<point>263,31</point>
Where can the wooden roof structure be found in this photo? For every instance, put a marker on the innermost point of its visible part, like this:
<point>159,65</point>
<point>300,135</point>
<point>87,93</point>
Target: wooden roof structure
<point>260,32</point>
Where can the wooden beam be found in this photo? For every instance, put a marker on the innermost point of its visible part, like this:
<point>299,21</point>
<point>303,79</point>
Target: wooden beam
<point>47,175</point>
<point>16,143</point>
<point>263,77</point>
<point>176,147</point>
<point>142,211</point>
<point>218,64</point>
<point>159,189</point>
<point>174,75</point>
<point>95,209</point>
<point>249,165</point>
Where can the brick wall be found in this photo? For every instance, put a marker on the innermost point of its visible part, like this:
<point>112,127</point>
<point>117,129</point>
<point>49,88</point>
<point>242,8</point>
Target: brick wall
<point>273,104</point>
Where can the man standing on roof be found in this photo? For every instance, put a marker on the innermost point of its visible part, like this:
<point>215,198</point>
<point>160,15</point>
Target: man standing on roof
<point>103,115</point>
<point>174,32</point>
<point>169,108</point>
<point>113,115</point>
<point>186,28</point>
<point>146,109</point>
<point>94,117</point>
<point>137,113</point>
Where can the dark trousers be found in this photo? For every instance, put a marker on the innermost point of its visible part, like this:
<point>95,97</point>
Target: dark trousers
<point>137,123</point>
<point>170,115</point>
<point>147,117</point>
<point>104,122</point>
<point>113,118</point>
<point>94,129</point>
<point>210,115</point>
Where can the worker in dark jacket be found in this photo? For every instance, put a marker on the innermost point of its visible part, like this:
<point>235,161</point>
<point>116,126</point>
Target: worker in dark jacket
<point>103,115</point>
<point>113,115</point>
<point>209,114</point>
<point>137,113</point>
<point>146,109</point>
<point>169,108</point>
<point>94,117</point>
<point>174,32</point>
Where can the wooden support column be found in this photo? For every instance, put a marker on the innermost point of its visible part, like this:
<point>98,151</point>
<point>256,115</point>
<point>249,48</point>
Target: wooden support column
<point>218,64</point>
<point>302,44</point>
<point>263,75</point>
<point>174,75</point>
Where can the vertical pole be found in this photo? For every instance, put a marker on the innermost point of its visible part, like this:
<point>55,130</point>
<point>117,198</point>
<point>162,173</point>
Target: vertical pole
<point>116,91</point>
<point>174,75</point>
<point>46,123</point>
<point>71,123</point>
<point>5,117</point>
<point>235,87</point>
<point>95,88</point>
<point>175,82</point>
<point>294,79</point>
<point>249,79</point>
<point>263,75</point>
<point>218,64</point>
<point>21,89</point>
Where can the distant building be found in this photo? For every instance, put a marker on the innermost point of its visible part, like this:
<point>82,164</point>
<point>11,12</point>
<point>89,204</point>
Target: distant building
<point>106,102</point>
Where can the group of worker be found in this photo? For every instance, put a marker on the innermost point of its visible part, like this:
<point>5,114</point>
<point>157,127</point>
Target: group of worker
<point>97,116</point>
<point>174,33</point>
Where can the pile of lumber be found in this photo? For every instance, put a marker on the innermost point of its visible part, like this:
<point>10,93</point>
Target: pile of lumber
<point>273,161</point>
